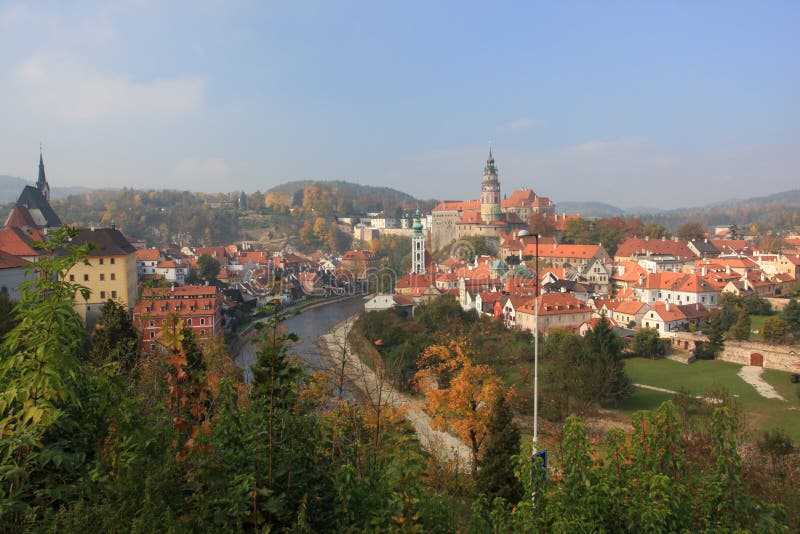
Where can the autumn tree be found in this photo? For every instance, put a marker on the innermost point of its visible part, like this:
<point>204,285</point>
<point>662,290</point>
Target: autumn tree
<point>458,393</point>
<point>691,230</point>
<point>540,224</point>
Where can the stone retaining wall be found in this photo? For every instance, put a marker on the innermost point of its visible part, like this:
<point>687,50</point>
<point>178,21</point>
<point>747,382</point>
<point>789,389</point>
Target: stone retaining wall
<point>779,357</point>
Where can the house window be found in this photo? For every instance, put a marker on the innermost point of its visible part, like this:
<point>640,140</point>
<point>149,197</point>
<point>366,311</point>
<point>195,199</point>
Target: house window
<point>102,277</point>
<point>103,295</point>
<point>202,332</point>
<point>152,322</point>
<point>72,278</point>
<point>112,261</point>
<point>202,320</point>
<point>113,276</point>
<point>189,322</point>
<point>152,346</point>
<point>100,261</point>
<point>113,294</point>
<point>85,277</point>
<point>152,335</point>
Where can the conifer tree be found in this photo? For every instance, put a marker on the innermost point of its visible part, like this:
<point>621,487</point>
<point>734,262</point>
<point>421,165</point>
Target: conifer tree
<point>495,475</point>
<point>741,330</point>
<point>115,339</point>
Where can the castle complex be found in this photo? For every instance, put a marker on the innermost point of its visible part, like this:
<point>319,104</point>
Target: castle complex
<point>488,217</point>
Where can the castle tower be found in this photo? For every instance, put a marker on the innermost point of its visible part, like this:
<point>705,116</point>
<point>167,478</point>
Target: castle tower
<point>490,192</point>
<point>417,247</point>
<point>41,182</point>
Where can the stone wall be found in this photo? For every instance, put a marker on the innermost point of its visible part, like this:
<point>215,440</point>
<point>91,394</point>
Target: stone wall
<point>779,357</point>
<point>777,304</point>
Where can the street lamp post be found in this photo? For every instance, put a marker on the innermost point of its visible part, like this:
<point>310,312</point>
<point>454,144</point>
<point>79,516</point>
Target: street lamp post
<point>525,233</point>
<point>536,354</point>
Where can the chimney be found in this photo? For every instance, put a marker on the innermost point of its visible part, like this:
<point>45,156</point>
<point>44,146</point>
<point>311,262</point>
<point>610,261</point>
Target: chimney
<point>728,269</point>
<point>746,285</point>
<point>563,289</point>
<point>641,279</point>
<point>763,276</point>
<point>666,304</point>
<point>647,238</point>
<point>172,288</point>
<point>663,238</point>
<point>704,271</point>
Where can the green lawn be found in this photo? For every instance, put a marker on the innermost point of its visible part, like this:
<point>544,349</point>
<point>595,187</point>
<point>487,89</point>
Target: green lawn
<point>757,324</point>
<point>703,376</point>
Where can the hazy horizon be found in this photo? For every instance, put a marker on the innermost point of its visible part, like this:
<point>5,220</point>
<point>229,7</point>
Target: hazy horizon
<point>627,104</point>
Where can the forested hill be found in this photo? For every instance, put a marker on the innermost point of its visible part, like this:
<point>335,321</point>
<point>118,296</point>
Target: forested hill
<point>778,212</point>
<point>346,189</point>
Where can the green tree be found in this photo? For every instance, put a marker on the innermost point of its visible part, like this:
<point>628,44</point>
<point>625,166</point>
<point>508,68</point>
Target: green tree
<point>496,468</point>
<point>774,329</point>
<point>565,378</point>
<point>208,267</point>
<point>578,231</point>
<point>8,319</point>
<point>741,330</point>
<point>647,343</point>
<point>602,356</point>
<point>115,339</point>
<point>49,422</point>
<point>791,314</point>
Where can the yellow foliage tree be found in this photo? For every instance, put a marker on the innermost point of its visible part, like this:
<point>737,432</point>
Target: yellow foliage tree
<point>459,394</point>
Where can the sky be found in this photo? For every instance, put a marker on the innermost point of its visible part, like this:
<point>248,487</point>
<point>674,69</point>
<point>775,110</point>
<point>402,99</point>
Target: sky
<point>662,104</point>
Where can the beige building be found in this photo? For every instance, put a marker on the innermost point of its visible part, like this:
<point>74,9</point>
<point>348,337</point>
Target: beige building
<point>109,275</point>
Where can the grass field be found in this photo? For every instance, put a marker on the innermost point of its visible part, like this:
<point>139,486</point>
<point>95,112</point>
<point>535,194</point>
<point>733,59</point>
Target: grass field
<point>702,377</point>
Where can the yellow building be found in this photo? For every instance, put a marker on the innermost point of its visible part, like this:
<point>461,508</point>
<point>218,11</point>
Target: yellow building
<point>111,273</point>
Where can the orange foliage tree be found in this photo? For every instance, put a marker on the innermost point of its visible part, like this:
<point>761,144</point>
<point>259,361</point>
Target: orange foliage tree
<point>189,397</point>
<point>459,394</point>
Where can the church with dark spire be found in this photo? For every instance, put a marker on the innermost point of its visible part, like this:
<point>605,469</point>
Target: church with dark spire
<point>41,182</point>
<point>33,204</point>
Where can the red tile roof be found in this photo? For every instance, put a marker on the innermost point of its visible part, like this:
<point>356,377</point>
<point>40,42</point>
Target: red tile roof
<point>148,254</point>
<point>563,251</point>
<point>455,205</point>
<point>555,304</point>
<point>634,246</point>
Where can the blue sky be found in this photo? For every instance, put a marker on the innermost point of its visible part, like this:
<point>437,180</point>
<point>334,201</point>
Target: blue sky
<point>633,103</point>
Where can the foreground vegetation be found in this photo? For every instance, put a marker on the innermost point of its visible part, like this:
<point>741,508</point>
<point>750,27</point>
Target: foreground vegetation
<point>97,436</point>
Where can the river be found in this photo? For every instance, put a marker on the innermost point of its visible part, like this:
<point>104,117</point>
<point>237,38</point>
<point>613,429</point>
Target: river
<point>308,325</point>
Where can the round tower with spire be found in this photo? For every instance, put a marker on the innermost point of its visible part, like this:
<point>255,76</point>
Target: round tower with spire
<point>490,192</point>
<point>417,247</point>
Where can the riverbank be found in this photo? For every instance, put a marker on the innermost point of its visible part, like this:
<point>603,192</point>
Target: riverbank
<point>245,336</point>
<point>376,389</point>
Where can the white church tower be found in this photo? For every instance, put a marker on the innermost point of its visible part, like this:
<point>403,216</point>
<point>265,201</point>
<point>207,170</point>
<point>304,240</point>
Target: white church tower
<point>417,247</point>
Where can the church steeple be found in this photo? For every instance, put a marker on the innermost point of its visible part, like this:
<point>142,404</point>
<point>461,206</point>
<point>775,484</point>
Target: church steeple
<point>41,182</point>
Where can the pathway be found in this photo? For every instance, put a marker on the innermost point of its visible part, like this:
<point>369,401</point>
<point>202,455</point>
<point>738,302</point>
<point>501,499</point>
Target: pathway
<point>752,375</point>
<point>380,391</point>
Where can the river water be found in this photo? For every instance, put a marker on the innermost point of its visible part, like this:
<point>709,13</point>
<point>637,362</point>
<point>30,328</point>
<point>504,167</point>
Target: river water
<point>308,325</point>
